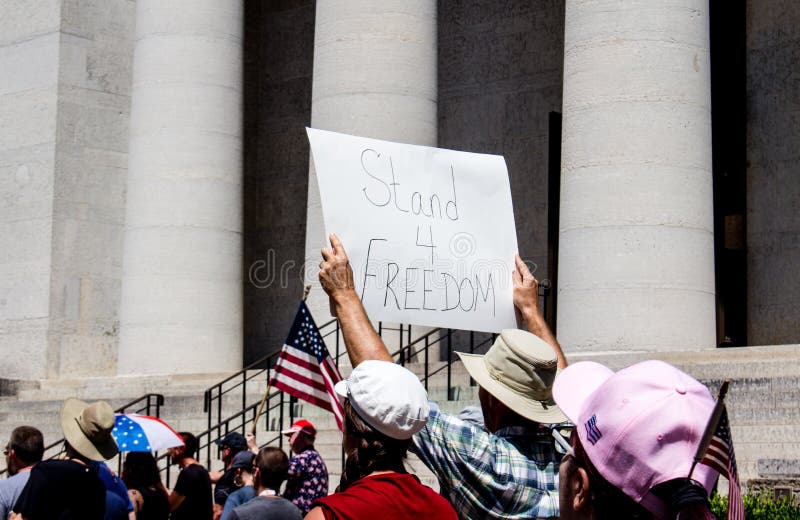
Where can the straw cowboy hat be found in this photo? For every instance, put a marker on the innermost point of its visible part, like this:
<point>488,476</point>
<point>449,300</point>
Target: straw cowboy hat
<point>519,370</point>
<point>87,428</point>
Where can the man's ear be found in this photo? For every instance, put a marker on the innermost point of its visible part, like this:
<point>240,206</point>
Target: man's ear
<point>581,492</point>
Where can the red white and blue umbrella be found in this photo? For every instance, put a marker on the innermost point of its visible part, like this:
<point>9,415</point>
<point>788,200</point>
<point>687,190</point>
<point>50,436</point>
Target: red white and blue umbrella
<point>134,432</point>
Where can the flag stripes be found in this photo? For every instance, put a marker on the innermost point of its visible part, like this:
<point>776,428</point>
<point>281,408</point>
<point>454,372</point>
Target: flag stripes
<point>305,368</point>
<point>721,457</point>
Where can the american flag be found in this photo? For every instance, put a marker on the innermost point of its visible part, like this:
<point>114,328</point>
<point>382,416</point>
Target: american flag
<point>720,456</point>
<point>305,368</point>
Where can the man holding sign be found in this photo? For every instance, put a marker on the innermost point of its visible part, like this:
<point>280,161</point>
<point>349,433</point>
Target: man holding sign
<point>510,469</point>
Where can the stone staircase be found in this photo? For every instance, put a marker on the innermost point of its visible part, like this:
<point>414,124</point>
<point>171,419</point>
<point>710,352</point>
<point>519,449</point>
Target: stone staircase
<point>39,404</point>
<point>762,403</point>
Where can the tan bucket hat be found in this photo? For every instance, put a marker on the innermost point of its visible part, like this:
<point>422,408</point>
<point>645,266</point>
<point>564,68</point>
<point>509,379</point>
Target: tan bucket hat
<point>519,370</point>
<point>87,428</point>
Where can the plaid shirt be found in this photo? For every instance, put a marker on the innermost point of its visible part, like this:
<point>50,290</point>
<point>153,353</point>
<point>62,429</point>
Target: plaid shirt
<point>510,474</point>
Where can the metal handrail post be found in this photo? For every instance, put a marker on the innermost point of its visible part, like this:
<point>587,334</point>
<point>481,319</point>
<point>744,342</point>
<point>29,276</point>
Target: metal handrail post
<point>449,364</point>
<point>244,390</point>
<point>427,347</point>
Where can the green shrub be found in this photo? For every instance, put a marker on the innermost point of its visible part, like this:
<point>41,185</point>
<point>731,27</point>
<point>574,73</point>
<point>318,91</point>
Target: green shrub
<point>758,507</point>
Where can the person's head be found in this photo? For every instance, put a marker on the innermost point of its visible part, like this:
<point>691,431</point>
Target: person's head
<point>187,451</point>
<point>516,380</point>
<point>384,406</point>
<point>301,435</point>
<point>230,445</point>
<point>140,470</point>
<point>87,429</point>
<point>636,434</point>
<point>25,448</point>
<point>271,468</point>
<point>242,465</point>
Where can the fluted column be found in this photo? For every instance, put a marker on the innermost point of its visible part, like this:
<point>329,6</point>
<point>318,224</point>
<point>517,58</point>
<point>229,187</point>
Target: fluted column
<point>374,76</point>
<point>181,307</point>
<point>636,257</point>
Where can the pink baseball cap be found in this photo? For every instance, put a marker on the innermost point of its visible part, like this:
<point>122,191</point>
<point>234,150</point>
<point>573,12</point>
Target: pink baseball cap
<point>640,427</point>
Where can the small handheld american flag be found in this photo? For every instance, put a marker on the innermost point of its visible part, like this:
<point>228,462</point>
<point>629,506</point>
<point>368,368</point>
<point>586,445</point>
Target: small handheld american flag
<point>305,368</point>
<point>716,451</point>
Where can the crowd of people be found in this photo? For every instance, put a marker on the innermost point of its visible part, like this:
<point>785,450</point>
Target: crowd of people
<point>629,453</point>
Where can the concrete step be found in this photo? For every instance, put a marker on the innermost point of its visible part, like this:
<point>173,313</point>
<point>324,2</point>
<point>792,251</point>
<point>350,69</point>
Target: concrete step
<point>119,387</point>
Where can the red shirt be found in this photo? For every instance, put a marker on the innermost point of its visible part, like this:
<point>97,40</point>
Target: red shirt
<point>385,496</point>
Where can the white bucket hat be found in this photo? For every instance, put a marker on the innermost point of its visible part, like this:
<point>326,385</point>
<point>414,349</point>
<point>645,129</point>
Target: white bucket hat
<point>388,397</point>
<point>519,370</point>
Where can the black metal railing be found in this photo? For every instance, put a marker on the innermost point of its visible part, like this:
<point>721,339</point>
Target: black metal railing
<point>148,404</point>
<point>279,409</point>
<point>238,421</point>
<point>441,337</point>
<point>258,372</point>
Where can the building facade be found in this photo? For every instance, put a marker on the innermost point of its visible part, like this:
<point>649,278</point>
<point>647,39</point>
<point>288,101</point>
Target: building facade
<point>159,214</point>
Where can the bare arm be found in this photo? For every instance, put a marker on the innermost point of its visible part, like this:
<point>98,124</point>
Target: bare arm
<point>336,276</point>
<point>526,302</point>
<point>315,514</point>
<point>175,500</point>
<point>137,500</point>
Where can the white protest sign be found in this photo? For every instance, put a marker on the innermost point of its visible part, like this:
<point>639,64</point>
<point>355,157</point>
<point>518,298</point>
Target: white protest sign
<point>429,232</point>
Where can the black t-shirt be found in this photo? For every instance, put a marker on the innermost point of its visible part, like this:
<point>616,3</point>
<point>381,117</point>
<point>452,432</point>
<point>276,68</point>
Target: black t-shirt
<point>155,504</point>
<point>195,485</point>
<point>62,490</point>
<point>225,486</point>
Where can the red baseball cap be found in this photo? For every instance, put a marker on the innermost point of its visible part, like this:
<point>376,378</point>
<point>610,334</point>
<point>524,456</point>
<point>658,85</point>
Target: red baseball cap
<point>301,425</point>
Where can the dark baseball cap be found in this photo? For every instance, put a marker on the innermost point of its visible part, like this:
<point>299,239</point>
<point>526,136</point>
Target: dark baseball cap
<point>234,440</point>
<point>244,460</point>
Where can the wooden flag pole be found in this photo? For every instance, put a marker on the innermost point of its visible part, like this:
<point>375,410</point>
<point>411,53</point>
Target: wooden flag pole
<point>306,290</point>
<point>260,409</point>
<point>711,428</point>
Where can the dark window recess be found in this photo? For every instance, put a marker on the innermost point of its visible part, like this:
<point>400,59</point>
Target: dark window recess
<point>729,142</point>
<point>553,206</point>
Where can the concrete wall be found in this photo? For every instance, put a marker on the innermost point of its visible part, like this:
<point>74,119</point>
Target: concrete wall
<point>29,45</point>
<point>500,68</point>
<point>89,200</point>
<point>279,52</point>
<point>773,175</point>
<point>64,96</point>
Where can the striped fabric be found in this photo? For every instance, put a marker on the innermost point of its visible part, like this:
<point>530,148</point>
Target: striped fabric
<point>720,456</point>
<point>305,368</point>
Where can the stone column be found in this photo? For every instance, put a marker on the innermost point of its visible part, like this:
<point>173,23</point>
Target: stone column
<point>636,261</point>
<point>181,309</point>
<point>374,76</point>
<point>773,172</point>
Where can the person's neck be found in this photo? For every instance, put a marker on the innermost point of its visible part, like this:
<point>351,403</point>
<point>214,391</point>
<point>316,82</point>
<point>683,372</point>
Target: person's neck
<point>382,472</point>
<point>508,420</point>
<point>267,492</point>
<point>188,461</point>
<point>25,469</point>
<point>79,460</point>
